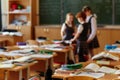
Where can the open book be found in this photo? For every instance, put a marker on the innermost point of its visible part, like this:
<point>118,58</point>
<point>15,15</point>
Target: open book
<point>96,68</point>
<point>105,55</point>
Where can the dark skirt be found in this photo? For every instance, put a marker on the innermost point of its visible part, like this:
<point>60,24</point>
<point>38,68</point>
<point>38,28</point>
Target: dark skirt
<point>82,50</point>
<point>94,43</point>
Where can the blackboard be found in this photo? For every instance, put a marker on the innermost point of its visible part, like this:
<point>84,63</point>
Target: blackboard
<point>102,8</point>
<point>54,11</point>
<point>50,11</point>
<point>117,11</point>
<point>0,17</point>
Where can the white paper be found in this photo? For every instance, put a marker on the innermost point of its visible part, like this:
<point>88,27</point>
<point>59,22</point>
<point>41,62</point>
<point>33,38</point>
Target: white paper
<point>41,56</point>
<point>117,50</point>
<point>23,59</point>
<point>99,55</point>
<point>103,62</point>
<point>7,65</point>
<point>28,46</point>
<point>117,72</point>
<point>105,69</point>
<point>105,55</point>
<point>92,66</point>
<point>91,74</point>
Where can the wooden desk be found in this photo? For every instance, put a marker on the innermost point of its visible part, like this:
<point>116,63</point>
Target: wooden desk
<point>18,72</point>
<point>62,55</point>
<point>43,65</point>
<point>11,40</point>
<point>106,77</point>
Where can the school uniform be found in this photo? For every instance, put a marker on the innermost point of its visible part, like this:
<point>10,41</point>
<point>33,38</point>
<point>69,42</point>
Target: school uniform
<point>69,31</point>
<point>92,32</point>
<point>82,46</point>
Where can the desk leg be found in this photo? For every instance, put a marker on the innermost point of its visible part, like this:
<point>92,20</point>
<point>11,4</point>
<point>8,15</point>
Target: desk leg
<point>66,58</point>
<point>6,75</point>
<point>28,73</point>
<point>51,64</point>
<point>20,75</point>
<point>46,65</point>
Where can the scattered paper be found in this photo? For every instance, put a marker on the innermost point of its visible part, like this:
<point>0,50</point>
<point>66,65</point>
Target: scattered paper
<point>41,56</point>
<point>91,74</point>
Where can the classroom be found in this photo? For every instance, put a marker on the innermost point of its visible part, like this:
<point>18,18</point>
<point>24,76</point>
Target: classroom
<point>59,40</point>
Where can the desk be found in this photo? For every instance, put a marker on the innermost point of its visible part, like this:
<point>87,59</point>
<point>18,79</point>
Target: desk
<point>18,72</point>
<point>43,64</point>
<point>106,77</point>
<point>11,40</point>
<point>44,60</point>
<point>62,55</point>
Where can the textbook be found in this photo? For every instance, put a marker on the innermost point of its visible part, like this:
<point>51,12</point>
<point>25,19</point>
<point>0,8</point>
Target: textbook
<point>23,59</point>
<point>93,67</point>
<point>61,71</point>
<point>104,55</point>
<point>69,68</point>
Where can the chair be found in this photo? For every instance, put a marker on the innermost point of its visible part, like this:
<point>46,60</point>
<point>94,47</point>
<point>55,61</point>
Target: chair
<point>80,78</point>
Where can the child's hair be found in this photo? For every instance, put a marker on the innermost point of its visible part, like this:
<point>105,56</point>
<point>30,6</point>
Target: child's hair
<point>69,14</point>
<point>81,15</point>
<point>86,8</point>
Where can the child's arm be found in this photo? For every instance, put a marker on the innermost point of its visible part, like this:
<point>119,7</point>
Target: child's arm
<point>63,31</point>
<point>79,30</point>
<point>94,30</point>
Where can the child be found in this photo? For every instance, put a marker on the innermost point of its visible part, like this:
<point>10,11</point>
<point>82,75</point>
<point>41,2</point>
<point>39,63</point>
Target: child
<point>81,36</point>
<point>68,28</point>
<point>92,39</point>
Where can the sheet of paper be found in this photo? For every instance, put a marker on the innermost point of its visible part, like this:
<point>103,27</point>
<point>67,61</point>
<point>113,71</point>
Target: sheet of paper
<point>28,46</point>
<point>7,65</point>
<point>91,74</point>
<point>117,72</point>
<point>7,62</point>
<point>93,67</point>
<point>23,59</point>
<point>99,55</point>
<point>103,62</point>
<point>105,69</point>
<point>41,56</point>
<point>117,50</point>
<point>14,54</point>
<point>54,49</point>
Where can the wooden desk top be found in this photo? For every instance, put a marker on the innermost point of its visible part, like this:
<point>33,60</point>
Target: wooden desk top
<point>106,77</point>
<point>17,68</point>
<point>63,50</point>
<point>109,77</point>
<point>10,48</point>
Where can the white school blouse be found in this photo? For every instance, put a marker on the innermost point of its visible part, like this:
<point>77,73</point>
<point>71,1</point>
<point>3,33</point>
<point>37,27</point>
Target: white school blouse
<point>93,26</point>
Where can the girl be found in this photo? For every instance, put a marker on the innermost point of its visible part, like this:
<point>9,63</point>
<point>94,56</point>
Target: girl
<point>68,28</point>
<point>92,38</point>
<point>81,36</point>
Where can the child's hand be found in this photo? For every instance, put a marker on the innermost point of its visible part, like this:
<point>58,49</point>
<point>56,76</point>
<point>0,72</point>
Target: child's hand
<point>88,41</point>
<point>72,40</point>
<point>74,34</point>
